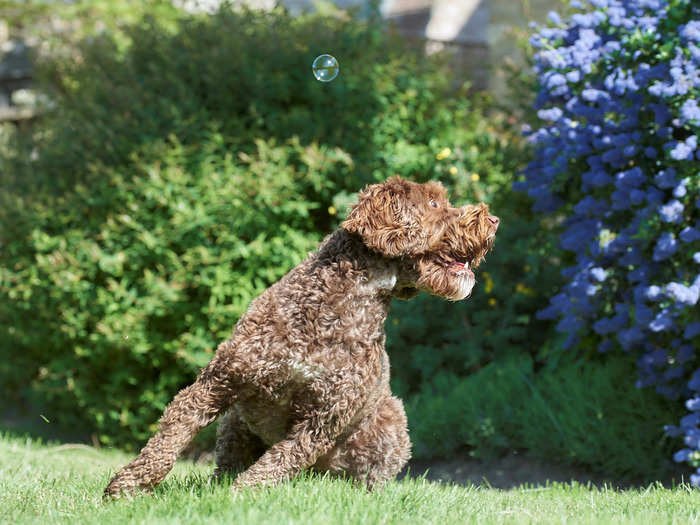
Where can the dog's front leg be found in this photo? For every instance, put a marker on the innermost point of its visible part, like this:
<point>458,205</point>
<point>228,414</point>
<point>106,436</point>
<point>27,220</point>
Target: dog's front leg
<point>287,458</point>
<point>192,409</point>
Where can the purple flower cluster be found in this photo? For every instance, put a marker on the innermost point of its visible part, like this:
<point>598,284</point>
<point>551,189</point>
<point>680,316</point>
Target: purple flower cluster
<point>617,153</point>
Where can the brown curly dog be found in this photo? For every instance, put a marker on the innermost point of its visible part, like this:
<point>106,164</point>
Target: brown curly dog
<point>304,380</point>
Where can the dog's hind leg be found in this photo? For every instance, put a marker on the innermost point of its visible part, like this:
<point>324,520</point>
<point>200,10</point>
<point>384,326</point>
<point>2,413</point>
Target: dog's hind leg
<point>192,409</point>
<point>376,450</point>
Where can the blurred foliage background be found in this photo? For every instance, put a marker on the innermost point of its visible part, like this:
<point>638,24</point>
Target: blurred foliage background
<point>185,162</point>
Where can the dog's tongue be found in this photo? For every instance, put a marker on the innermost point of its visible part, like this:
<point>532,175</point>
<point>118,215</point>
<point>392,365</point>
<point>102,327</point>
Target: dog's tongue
<point>460,267</point>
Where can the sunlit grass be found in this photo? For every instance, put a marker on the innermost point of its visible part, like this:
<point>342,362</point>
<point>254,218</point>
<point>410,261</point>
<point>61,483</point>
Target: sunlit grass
<point>63,484</point>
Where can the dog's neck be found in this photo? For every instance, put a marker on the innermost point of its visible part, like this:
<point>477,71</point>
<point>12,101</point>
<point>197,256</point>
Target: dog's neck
<point>375,273</point>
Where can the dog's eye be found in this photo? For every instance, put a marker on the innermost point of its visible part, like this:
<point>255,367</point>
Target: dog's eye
<point>433,203</point>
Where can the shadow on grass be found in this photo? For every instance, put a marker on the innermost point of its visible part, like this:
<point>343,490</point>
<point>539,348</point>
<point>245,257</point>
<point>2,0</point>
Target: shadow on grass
<point>517,469</point>
<point>26,420</point>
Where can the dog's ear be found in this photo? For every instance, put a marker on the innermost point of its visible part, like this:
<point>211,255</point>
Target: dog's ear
<point>388,220</point>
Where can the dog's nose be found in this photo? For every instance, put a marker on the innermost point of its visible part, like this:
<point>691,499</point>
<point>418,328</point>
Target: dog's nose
<point>494,220</point>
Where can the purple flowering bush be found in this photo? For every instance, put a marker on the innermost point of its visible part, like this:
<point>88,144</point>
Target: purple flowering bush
<point>617,158</point>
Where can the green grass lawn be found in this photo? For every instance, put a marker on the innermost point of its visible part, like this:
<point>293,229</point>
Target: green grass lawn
<point>63,484</point>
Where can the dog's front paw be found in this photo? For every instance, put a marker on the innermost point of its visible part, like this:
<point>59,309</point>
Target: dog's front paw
<point>238,485</point>
<point>115,490</point>
<point>119,487</point>
<point>245,481</point>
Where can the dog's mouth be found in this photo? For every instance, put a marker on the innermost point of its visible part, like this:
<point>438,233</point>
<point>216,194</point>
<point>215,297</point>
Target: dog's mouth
<point>461,268</point>
<point>449,276</point>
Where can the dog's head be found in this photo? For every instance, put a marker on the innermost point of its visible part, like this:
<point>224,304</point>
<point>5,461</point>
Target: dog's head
<point>441,244</point>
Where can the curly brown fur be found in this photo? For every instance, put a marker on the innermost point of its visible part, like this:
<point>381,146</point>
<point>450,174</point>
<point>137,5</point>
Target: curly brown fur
<point>304,380</point>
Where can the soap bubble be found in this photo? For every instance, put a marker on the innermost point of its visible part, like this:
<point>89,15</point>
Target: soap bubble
<point>325,68</point>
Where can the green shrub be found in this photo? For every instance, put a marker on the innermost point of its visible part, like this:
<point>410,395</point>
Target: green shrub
<point>124,288</point>
<point>185,168</point>
<point>247,74</point>
<point>569,412</point>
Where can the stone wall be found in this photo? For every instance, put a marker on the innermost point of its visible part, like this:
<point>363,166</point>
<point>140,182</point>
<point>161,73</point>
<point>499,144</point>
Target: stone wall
<point>481,35</point>
<point>508,21</point>
<point>16,102</point>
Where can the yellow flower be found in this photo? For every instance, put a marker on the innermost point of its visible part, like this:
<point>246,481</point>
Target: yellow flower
<point>332,210</point>
<point>453,170</point>
<point>475,177</point>
<point>527,268</point>
<point>492,301</point>
<point>488,285</point>
<point>444,153</point>
<point>521,288</point>
<point>396,321</point>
